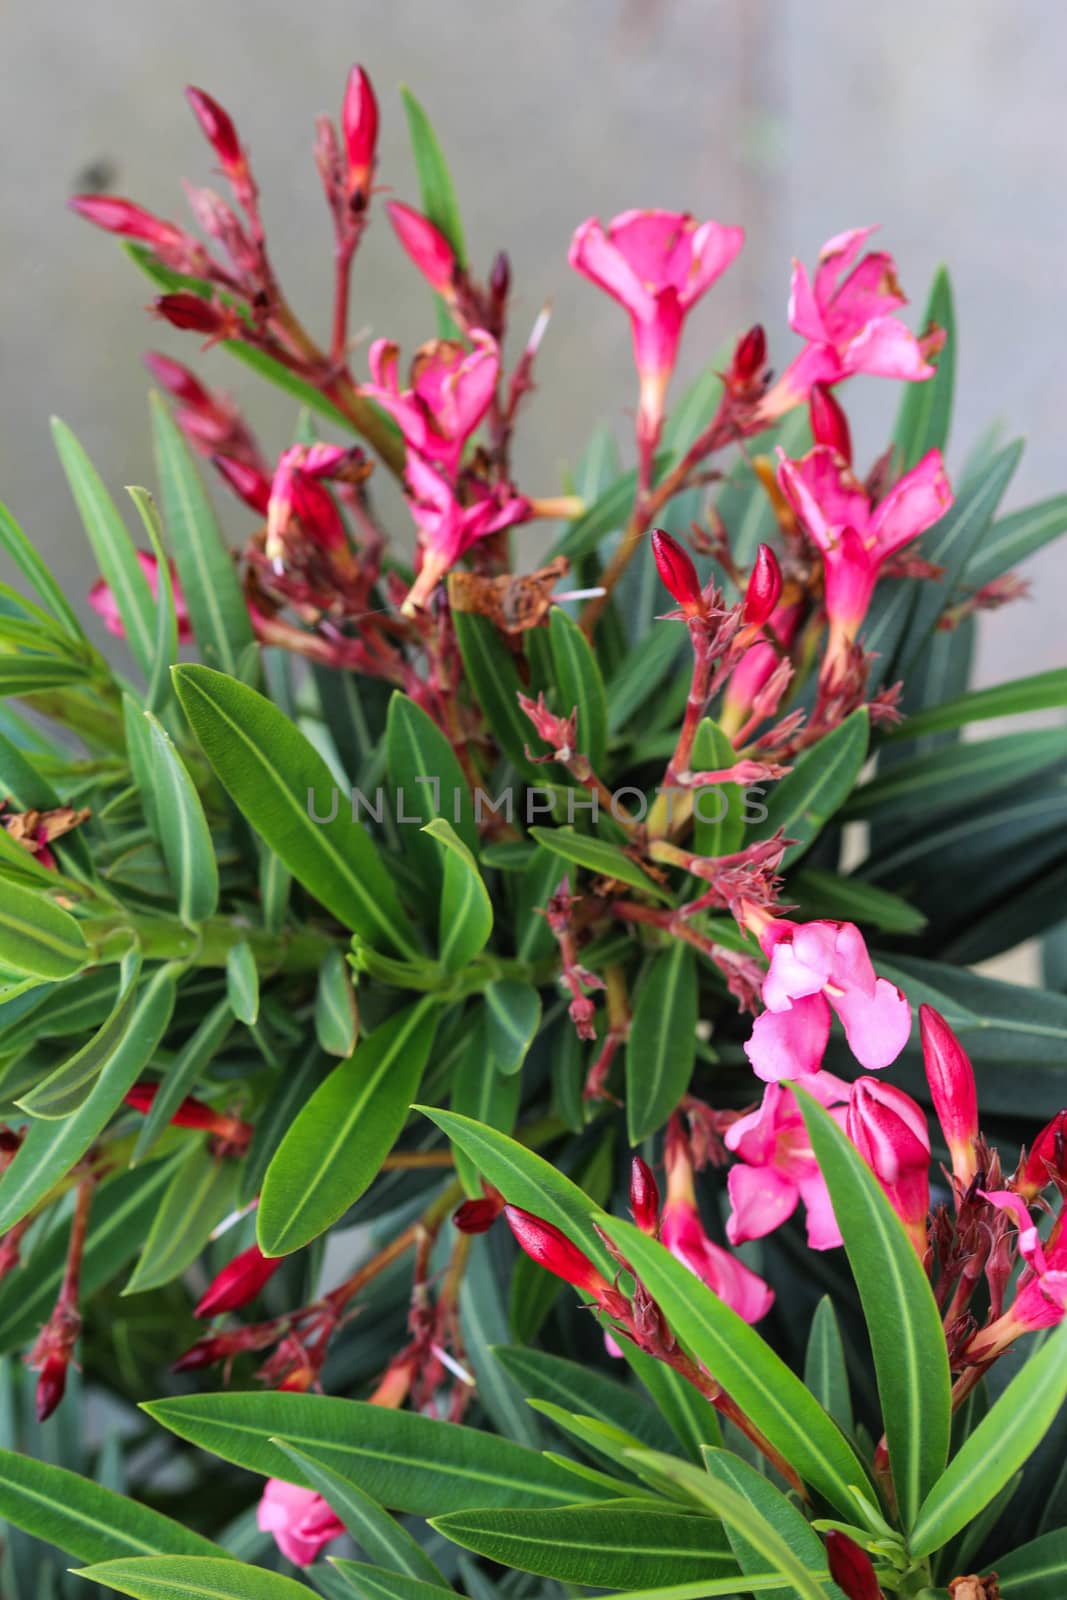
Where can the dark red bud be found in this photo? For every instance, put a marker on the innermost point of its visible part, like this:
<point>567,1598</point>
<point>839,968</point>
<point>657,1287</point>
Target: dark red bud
<point>750,356</point>
<point>551,1249</point>
<point>478,1216</point>
<point>51,1385</point>
<point>177,380</point>
<point>677,572</point>
<point>246,482</point>
<point>500,277</point>
<point>644,1196</point>
<point>1047,1157</point>
<point>851,1567</point>
<point>359,126</point>
<point>238,1282</point>
<point>829,425</point>
<point>131,221</point>
<point>218,129</point>
<point>191,313</point>
<point>192,1113</point>
<point>764,588</point>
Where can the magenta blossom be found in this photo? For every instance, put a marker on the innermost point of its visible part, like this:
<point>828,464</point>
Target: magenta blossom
<point>818,969</point>
<point>451,390</point>
<point>102,599</point>
<point>777,1168</point>
<point>848,319</point>
<point>855,536</point>
<point>682,1231</point>
<point>446,527</point>
<point>657,264</point>
<point>298,492</point>
<point>299,1519</point>
<point>889,1130</point>
<point>1041,1295</point>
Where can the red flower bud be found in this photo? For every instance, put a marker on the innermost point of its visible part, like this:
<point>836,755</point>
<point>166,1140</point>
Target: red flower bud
<point>478,1216</point>
<point>426,245</point>
<point>952,1088</point>
<point>192,1113</point>
<point>750,357</point>
<point>500,278</point>
<point>177,380</point>
<point>677,572</point>
<point>764,588</point>
<point>192,313</point>
<point>851,1567</point>
<point>51,1386</point>
<point>1047,1159</point>
<point>247,484</point>
<point>552,1250</point>
<point>829,425</point>
<point>888,1129</point>
<point>123,217</point>
<point>359,125</point>
<point>219,131</point>
<point>644,1196</point>
<point>238,1282</point>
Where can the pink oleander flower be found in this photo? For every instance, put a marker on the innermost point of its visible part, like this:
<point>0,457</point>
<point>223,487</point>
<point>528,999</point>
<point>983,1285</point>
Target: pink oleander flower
<point>682,1232</point>
<point>1046,1161</point>
<point>102,599</point>
<point>953,1091</point>
<point>855,536</point>
<point>817,970</point>
<point>777,1169</point>
<point>426,246</point>
<point>848,319</point>
<point>299,1519</point>
<point>298,491</point>
<point>889,1130</point>
<point>758,663</point>
<point>451,390</point>
<point>446,527</point>
<point>657,264</point>
<point>1041,1294</point>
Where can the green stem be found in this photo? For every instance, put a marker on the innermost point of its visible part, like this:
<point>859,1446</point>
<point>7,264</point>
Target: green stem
<point>207,945</point>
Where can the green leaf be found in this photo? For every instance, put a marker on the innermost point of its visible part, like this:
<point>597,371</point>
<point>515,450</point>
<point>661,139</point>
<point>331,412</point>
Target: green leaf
<point>642,672</point>
<point>465,917</point>
<point>662,1045</point>
<point>373,1529</point>
<point>1013,538</point>
<point>954,778</point>
<point>112,546</point>
<point>582,1388</point>
<point>496,686</point>
<point>926,408</point>
<point>22,675</point>
<point>166,650</point>
<point>36,573</point>
<point>596,855</point>
<point>828,894</point>
<point>183,833</point>
<point>50,1149</point>
<point>692,1420</point>
<point>373,1583</point>
<point>201,1193</point>
<point>83,1519</point>
<point>481,1091</point>
<point>690,415</point>
<point>748,1369</point>
<point>512,1018</point>
<point>192,1578</point>
<point>435,183</point>
<point>405,1461</point>
<point>336,1012</point>
<point>610,1548</point>
<point>579,685</point>
<point>1045,691</point>
<point>1003,1441</point>
<point>742,1519</point>
<point>723,833</point>
<point>903,1322</point>
<point>819,784</point>
<point>242,983</point>
<point>1036,1571</point>
<point>37,938</point>
<point>182,1074</point>
<point>428,778</point>
<point>825,1370</point>
<point>275,777</point>
<point>339,1139</point>
<point>607,514</point>
<point>69,1085</point>
<point>778,1512</point>
<point>217,610</point>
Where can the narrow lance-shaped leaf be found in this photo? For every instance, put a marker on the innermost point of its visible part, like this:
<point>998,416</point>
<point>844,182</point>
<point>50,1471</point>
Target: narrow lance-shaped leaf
<point>37,938</point>
<point>70,1084</point>
<point>242,983</point>
<point>192,1578</point>
<point>165,654</point>
<point>661,1048</point>
<point>465,918</point>
<point>184,836</point>
<point>926,408</point>
<point>336,1012</point>
<point>579,684</point>
<point>201,1193</point>
<point>804,800</point>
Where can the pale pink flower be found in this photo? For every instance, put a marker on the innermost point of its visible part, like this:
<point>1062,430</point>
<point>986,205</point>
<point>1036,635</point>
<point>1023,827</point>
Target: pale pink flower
<point>855,536</point>
<point>446,527</point>
<point>451,390</point>
<point>299,1519</point>
<point>818,969</point>
<point>848,319</point>
<point>102,599</point>
<point>657,264</point>
<point>777,1169</point>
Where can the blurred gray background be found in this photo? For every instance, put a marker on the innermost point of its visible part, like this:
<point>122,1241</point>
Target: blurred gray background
<point>798,118</point>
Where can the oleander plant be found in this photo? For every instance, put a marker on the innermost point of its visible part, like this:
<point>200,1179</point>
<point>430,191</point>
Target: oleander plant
<point>502,1092</point>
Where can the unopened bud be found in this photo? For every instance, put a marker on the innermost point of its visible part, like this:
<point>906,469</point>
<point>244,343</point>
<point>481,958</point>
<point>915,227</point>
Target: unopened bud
<point>193,314</point>
<point>764,588</point>
<point>889,1130</point>
<point>426,245</point>
<point>115,215</point>
<point>500,278</point>
<point>851,1567</point>
<point>750,357</point>
<point>829,425</point>
<point>677,572</point>
<point>218,129</point>
<point>359,126</point>
<point>238,1282</point>
<point>192,1113</point>
<point>953,1091</point>
<point>644,1196</point>
<point>247,483</point>
<point>551,1249</point>
<point>177,380</point>
<point>1047,1159</point>
<point>51,1386</point>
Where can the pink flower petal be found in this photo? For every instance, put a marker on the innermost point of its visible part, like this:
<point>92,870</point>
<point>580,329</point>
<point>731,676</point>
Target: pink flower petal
<point>789,1044</point>
<point>877,1029</point>
<point>886,348</point>
<point>761,1200</point>
<point>596,258</point>
<point>822,1230</point>
<point>920,499</point>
